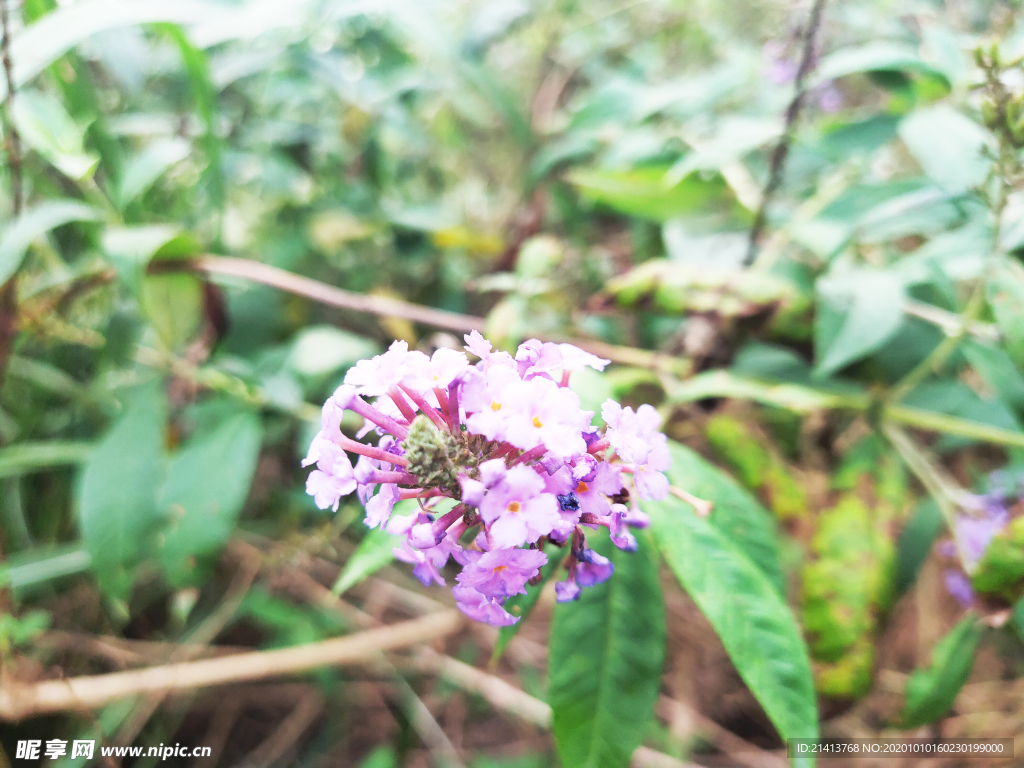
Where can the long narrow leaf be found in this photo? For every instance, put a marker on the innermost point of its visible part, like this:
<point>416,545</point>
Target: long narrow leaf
<point>605,662</point>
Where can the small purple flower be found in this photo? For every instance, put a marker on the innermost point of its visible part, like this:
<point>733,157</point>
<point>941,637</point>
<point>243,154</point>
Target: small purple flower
<point>593,494</point>
<point>567,591</point>
<point>483,396</point>
<point>593,568</point>
<point>539,412</point>
<point>536,358</point>
<point>502,573</point>
<point>482,608</point>
<point>518,510</point>
<point>619,530</point>
<point>380,506</point>
<point>333,477</point>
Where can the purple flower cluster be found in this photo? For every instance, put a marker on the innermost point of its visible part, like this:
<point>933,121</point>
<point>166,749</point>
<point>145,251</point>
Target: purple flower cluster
<point>981,517</point>
<point>507,440</point>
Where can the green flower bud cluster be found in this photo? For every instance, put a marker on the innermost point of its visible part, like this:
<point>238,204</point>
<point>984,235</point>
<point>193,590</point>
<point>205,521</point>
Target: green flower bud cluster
<point>436,457</point>
<point>1001,111</point>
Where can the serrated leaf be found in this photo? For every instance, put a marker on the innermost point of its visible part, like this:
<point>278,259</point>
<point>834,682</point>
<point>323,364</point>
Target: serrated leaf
<point>931,690</point>
<point>117,498</point>
<point>207,483</point>
<point>737,514</point>
<point>375,551</point>
<point>523,605</point>
<point>858,312</point>
<point>749,615</point>
<point>34,222</point>
<point>606,653</point>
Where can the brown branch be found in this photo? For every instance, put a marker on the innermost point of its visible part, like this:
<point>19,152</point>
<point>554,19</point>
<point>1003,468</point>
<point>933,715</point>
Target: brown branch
<point>266,274</point>
<point>281,279</point>
<point>18,701</point>
<point>782,148</point>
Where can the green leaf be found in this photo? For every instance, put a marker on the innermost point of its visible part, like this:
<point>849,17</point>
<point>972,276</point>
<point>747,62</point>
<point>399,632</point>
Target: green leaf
<point>375,551</point>
<point>130,249</point>
<point>998,371</point>
<point>523,605</point>
<point>931,690</point>
<point>34,222</point>
<point>792,397</point>
<point>747,612</point>
<point>148,165</point>
<point>204,95</point>
<point>948,146</point>
<point>606,654</point>
<point>22,458</point>
<point>323,349</point>
<point>174,305</point>
<point>737,514</point>
<point>42,43</point>
<point>915,543</point>
<point>46,126</point>
<point>117,497</point>
<point>1006,297</point>
<point>27,569</point>
<point>876,57</point>
<point>1017,617</point>
<point>207,483</point>
<point>732,139</point>
<point>644,193</point>
<point>858,312</point>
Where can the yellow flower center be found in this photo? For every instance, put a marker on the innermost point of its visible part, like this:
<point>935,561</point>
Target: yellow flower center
<point>500,568</point>
<point>513,506</point>
<point>582,488</point>
<point>495,405</point>
<point>537,422</point>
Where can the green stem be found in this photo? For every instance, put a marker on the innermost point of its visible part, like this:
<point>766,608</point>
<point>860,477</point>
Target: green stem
<point>939,486</point>
<point>952,425</point>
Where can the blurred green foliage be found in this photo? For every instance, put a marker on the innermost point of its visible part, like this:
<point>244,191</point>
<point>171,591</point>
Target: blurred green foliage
<point>574,170</point>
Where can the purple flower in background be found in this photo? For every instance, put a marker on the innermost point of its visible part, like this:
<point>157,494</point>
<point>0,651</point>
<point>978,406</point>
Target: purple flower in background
<point>509,444</point>
<point>959,586</point>
<point>974,532</point>
<point>777,69</point>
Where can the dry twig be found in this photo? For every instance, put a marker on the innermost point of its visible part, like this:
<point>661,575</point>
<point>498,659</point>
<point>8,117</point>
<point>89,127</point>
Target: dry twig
<point>18,701</point>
